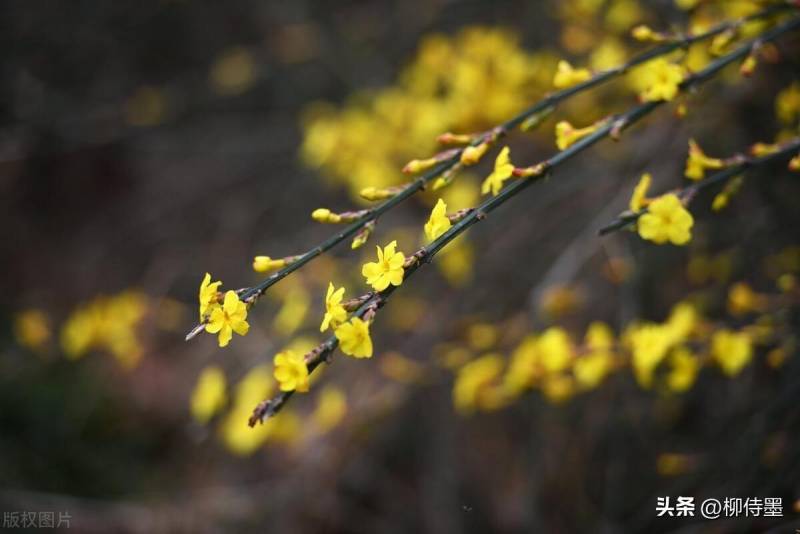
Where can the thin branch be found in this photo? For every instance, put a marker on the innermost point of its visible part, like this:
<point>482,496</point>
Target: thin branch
<point>251,295</point>
<point>743,164</point>
<point>609,128</point>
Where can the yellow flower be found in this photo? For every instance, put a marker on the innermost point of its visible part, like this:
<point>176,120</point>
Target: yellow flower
<point>473,385</point>
<point>558,388</point>
<point>567,76</point>
<point>591,369</point>
<point>599,336</point>
<point>794,164</point>
<point>555,349</point>
<point>523,368</point>
<point>354,338</point>
<point>208,396</point>
<point>388,270</point>
<point>228,318</point>
<point>661,80</point>
<point>742,299</point>
<point>644,33</point>
<point>683,319</point>
<point>764,149</point>
<point>503,169</point>
<point>208,296</point>
<point>698,162</point>
<point>438,223</point>
<point>639,197</point>
<point>685,367</point>
<point>473,154</point>
<point>31,329</point>
<point>731,350</point>
<point>567,135</point>
<point>787,104</point>
<point>335,314</point>
<point>324,215</point>
<point>263,264</point>
<point>331,408</point>
<point>649,345</point>
<point>291,371</point>
<point>666,220</point>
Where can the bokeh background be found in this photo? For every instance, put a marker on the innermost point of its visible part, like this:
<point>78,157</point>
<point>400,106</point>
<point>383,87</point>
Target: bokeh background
<point>146,143</point>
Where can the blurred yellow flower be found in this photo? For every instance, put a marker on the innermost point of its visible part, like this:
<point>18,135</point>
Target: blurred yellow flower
<point>291,371</point>
<point>503,169</point>
<point>567,75</point>
<point>524,367</point>
<point>473,384</point>
<point>455,262</point>
<point>590,369</point>
<point>649,345</point>
<point>31,329</point>
<point>787,104</point>
<point>354,339</point>
<point>228,318</point>
<point>240,439</point>
<point>683,373</point>
<point>208,296</point>
<point>555,349</point>
<point>331,408</point>
<point>645,34</point>
<point>599,336</point>
<point>683,319</point>
<point>666,220</point>
<point>208,396</point>
<point>742,299</point>
<point>731,350</point>
<point>661,80</point>
<point>335,314</point>
<point>388,270</point>
<point>295,305</point>
<point>698,162</point>
<point>438,223</point>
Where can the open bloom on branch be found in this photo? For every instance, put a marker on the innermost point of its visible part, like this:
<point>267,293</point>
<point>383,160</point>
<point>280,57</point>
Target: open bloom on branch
<point>354,338</point>
<point>438,223</point>
<point>698,162</point>
<point>228,318</point>
<point>567,135</point>
<point>335,314</point>
<point>639,198</point>
<point>503,168</point>
<point>666,220</point>
<point>388,270</point>
<point>567,75</point>
<point>208,295</point>
<point>661,80</point>
<point>291,371</point>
